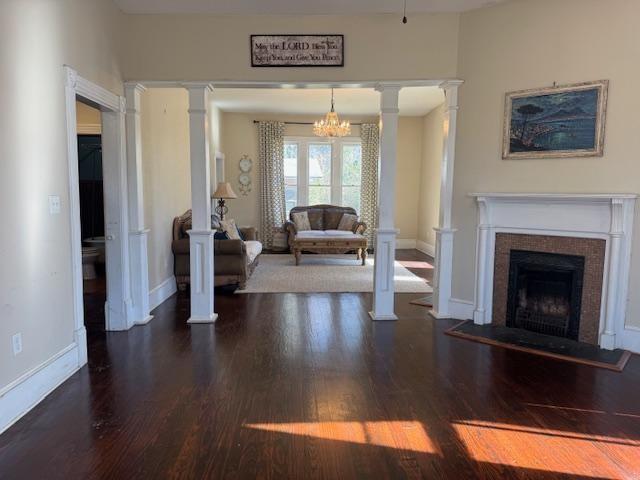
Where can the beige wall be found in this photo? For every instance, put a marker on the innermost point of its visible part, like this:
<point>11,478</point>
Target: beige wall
<point>166,173</point>
<point>524,44</point>
<point>429,199</point>
<point>408,161</point>
<point>88,119</point>
<point>240,136</point>
<point>36,38</point>
<point>208,47</point>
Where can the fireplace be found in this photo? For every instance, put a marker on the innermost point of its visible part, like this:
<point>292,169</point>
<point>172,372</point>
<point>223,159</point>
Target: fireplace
<point>545,292</point>
<point>597,227</point>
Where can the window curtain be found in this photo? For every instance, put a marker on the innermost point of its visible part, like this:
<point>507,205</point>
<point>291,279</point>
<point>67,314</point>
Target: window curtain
<point>370,136</point>
<point>271,158</point>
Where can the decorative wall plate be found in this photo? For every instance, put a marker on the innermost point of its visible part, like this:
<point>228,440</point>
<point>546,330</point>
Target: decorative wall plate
<point>245,164</point>
<point>244,179</point>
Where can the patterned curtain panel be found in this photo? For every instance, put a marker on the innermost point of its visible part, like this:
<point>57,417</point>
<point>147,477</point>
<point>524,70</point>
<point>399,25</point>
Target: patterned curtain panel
<point>271,157</point>
<point>370,135</point>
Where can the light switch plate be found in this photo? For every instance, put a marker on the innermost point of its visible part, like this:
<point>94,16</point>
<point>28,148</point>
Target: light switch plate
<point>16,341</point>
<point>54,204</point>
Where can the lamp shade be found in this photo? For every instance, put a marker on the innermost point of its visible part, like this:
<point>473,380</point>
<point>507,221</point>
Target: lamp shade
<point>224,190</point>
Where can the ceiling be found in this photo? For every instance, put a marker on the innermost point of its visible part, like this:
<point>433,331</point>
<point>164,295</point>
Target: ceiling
<point>413,101</point>
<point>298,7</point>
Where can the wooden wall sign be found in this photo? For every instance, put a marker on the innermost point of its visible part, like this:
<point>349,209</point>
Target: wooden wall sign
<point>297,50</point>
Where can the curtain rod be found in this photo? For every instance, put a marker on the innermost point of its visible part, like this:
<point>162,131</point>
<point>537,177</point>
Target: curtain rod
<point>303,123</point>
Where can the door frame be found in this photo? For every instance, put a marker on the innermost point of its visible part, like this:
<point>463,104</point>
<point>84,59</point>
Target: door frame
<point>112,108</point>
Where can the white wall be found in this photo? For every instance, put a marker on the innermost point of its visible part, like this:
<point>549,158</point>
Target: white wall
<point>36,38</point>
<point>524,44</point>
<point>166,173</point>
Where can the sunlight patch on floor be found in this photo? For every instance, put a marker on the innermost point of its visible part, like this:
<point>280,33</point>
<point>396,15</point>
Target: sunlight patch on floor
<point>400,435</point>
<point>415,264</point>
<point>550,450</point>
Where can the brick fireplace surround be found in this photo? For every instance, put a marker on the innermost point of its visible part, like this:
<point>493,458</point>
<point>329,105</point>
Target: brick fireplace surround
<point>596,226</point>
<point>593,251</point>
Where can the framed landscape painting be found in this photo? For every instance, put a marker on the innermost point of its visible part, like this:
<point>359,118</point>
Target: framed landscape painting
<point>565,121</point>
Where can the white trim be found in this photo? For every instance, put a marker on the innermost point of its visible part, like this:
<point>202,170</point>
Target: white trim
<point>461,309</point>
<point>406,243</point>
<point>24,393</point>
<point>116,222</point>
<point>306,84</point>
<point>424,247</point>
<point>89,129</point>
<point>162,292</point>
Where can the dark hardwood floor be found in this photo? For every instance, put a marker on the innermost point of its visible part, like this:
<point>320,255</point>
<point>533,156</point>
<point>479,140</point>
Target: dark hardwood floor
<point>307,386</point>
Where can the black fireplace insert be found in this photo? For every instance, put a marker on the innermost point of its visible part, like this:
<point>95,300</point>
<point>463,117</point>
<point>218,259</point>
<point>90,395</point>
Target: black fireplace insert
<point>545,292</point>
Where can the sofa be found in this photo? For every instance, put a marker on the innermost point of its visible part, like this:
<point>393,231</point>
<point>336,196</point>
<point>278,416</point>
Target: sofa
<point>323,219</point>
<point>234,260</point>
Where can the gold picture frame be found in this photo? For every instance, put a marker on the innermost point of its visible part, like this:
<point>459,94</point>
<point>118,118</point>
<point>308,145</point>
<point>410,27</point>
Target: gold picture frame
<point>555,122</point>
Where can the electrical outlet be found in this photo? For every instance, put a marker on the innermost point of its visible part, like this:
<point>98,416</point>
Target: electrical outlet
<point>16,340</point>
<point>54,204</point>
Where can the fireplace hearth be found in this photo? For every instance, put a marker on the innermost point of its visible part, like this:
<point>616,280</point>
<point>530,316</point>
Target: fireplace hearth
<point>545,292</point>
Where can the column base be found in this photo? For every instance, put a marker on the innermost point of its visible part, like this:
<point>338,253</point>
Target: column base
<point>440,316</point>
<point>478,317</point>
<point>144,321</point>
<point>376,317</point>
<point>211,319</point>
<point>608,341</point>
<point>80,338</point>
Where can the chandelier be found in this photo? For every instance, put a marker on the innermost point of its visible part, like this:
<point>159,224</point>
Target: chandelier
<point>330,126</point>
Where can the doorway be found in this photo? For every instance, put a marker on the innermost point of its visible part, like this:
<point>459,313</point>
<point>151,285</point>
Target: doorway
<point>117,306</point>
<point>90,187</point>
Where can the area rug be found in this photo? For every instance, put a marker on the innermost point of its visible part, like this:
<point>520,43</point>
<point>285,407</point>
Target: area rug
<point>324,274</point>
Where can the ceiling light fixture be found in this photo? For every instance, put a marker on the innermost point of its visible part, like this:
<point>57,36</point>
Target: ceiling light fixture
<point>330,126</point>
<point>404,12</point>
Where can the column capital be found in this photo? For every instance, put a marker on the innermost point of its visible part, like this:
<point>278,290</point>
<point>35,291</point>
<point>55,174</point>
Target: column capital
<point>134,87</point>
<point>206,86</point>
<point>387,87</point>
<point>449,84</point>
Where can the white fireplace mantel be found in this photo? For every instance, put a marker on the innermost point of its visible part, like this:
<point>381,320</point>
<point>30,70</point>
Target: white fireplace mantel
<point>605,216</point>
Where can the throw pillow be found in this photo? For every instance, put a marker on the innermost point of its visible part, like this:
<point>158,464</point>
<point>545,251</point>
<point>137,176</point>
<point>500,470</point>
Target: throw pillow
<point>215,221</point>
<point>301,221</point>
<point>220,236</point>
<point>347,222</point>
<point>230,228</point>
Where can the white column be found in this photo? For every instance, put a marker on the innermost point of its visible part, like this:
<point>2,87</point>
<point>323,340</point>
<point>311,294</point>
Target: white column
<point>479,312</point>
<point>385,234</point>
<point>138,257</point>
<point>608,336</point>
<point>201,235</point>
<point>444,232</point>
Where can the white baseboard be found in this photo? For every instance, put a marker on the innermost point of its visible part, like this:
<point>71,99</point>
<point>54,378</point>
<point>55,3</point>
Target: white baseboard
<point>24,393</point>
<point>461,309</point>
<point>631,339</point>
<point>405,243</point>
<point>424,247</point>
<point>159,294</point>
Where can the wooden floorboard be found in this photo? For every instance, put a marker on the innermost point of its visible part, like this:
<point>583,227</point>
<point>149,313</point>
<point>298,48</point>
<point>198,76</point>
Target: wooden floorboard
<point>307,386</point>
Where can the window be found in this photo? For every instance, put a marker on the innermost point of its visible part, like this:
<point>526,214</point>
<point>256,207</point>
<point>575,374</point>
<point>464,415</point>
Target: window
<point>320,171</point>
